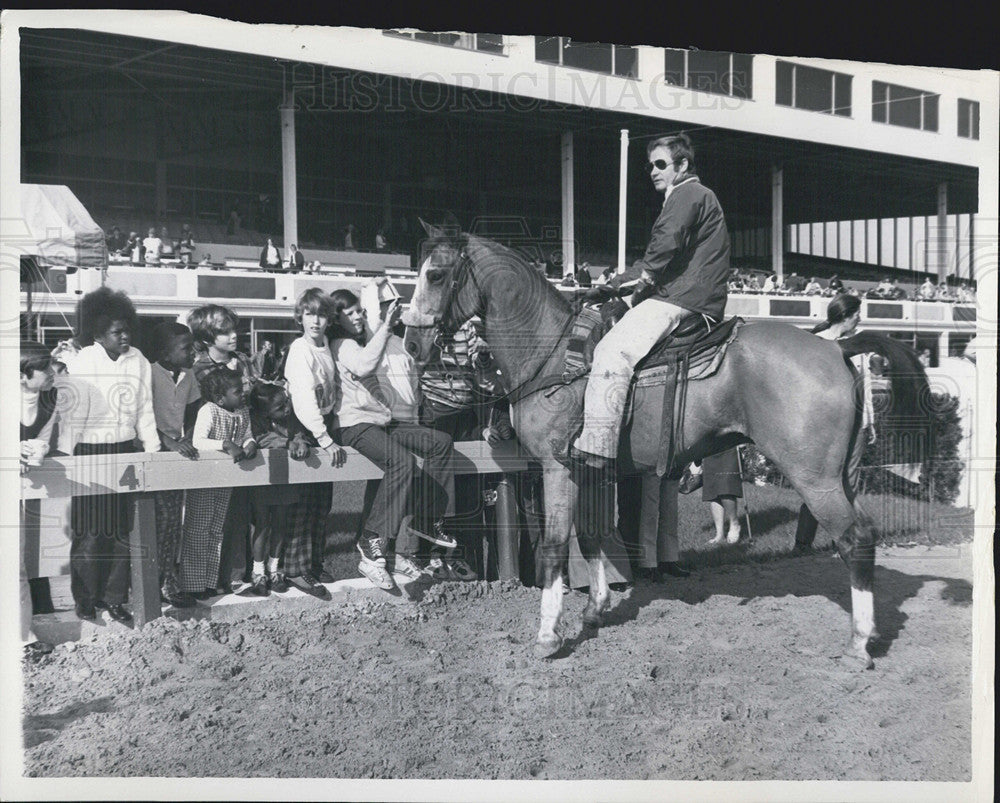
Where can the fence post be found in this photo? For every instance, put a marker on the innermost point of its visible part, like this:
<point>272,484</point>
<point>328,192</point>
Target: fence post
<point>507,534</point>
<point>145,562</point>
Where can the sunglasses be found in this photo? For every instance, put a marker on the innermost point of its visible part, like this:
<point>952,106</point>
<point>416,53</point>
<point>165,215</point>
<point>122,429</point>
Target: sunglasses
<point>658,164</point>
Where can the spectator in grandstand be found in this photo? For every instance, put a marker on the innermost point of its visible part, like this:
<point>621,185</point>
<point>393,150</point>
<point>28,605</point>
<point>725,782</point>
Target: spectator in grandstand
<point>206,261</point>
<point>925,357</point>
<point>606,274</point>
<point>943,292</point>
<point>222,424</point>
<point>583,277</point>
<point>926,291</point>
<point>270,256</point>
<point>569,280</point>
<point>349,237</point>
<point>153,247</point>
<point>175,406</point>
<point>751,283</point>
<point>99,556</point>
<point>965,295</point>
<point>38,418</point>
<point>133,249</point>
<point>276,508</point>
<point>814,288</point>
<point>185,246</point>
<point>834,286</point>
<point>381,243</point>
<point>116,241</point>
<point>773,284</point>
<point>167,250</point>
<point>795,284</point>
<point>312,387</point>
<point>234,222</point>
<point>885,288</point>
<point>215,335</point>
<point>265,360</point>
<point>364,421</point>
<point>296,261</point>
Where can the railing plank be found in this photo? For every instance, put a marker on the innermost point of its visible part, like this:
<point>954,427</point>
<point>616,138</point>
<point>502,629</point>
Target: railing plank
<point>62,477</point>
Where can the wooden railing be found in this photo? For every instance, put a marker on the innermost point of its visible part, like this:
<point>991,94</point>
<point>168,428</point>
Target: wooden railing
<point>145,472</point>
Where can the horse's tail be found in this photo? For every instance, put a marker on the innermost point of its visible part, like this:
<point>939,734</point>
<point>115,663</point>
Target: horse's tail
<point>907,378</point>
<point>910,399</point>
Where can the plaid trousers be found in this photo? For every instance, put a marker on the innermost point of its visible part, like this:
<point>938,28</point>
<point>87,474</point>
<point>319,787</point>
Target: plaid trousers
<point>307,530</point>
<point>169,530</point>
<point>202,543</point>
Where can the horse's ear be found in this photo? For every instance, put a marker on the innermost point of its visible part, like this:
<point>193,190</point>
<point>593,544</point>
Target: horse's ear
<point>451,225</point>
<point>432,231</point>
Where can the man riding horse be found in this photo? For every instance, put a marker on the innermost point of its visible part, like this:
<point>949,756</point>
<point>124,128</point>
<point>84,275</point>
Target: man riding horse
<point>683,272</point>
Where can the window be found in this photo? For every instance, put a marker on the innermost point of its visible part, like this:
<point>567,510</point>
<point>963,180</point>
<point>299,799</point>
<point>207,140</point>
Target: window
<point>719,72</point>
<point>610,59</point>
<point>485,42</point>
<point>900,105</point>
<point>813,89</point>
<point>968,118</point>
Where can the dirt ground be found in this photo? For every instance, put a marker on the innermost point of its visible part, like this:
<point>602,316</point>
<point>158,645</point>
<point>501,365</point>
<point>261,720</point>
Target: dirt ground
<point>734,673</point>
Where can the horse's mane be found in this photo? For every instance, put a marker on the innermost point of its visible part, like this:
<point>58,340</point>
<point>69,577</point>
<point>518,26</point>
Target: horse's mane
<point>473,244</point>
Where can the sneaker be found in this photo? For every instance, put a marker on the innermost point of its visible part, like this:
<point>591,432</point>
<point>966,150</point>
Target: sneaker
<point>378,575</point>
<point>404,567</point>
<point>279,585</point>
<point>436,569</point>
<point>308,585</point>
<point>257,588</point>
<point>370,547</point>
<point>461,570</point>
<point>435,534</point>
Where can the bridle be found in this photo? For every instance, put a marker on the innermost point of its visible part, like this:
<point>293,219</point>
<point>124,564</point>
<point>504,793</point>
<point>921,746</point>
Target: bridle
<point>442,330</point>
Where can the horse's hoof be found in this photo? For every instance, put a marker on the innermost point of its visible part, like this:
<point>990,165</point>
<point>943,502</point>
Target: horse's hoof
<point>592,620</point>
<point>546,648</point>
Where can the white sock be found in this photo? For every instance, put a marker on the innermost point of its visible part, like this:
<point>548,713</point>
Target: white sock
<point>272,565</point>
<point>258,567</point>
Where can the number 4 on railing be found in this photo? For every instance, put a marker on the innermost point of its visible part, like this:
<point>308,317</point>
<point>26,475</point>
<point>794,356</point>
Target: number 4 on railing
<point>131,477</point>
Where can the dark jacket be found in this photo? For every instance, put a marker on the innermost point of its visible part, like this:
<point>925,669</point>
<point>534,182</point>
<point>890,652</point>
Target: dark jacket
<point>263,259</point>
<point>688,252</point>
<point>296,261</point>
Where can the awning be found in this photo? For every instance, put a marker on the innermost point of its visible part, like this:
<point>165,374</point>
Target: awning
<point>56,229</point>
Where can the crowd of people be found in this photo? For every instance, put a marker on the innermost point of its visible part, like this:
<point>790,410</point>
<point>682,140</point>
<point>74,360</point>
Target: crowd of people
<point>888,289</point>
<point>345,381</point>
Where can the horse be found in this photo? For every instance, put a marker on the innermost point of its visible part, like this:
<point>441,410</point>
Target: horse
<point>789,392</point>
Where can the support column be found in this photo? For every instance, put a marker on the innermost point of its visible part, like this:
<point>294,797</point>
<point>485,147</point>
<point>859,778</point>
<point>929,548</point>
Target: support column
<point>387,206</point>
<point>942,231</point>
<point>161,193</point>
<point>622,198</point>
<point>777,221</point>
<point>289,193</point>
<point>568,234</point>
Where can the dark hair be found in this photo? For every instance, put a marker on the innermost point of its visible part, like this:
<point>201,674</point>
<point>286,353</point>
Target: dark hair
<point>211,320</point>
<point>840,308</point>
<point>216,382</point>
<point>312,300</point>
<point>164,334</point>
<point>34,357</point>
<point>679,145</point>
<point>99,309</point>
<point>339,301</point>
<point>263,395</point>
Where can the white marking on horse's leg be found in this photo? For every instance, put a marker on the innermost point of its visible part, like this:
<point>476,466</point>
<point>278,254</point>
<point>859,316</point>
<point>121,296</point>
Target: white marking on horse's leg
<point>862,624</point>
<point>600,593</point>
<point>552,597</point>
<point>862,614</point>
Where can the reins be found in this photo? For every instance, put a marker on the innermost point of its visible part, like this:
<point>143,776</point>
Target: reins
<point>466,265</point>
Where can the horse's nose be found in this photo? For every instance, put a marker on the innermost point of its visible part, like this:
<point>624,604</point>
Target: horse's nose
<point>413,348</point>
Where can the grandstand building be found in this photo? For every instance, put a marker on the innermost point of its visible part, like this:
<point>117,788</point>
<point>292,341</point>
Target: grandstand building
<point>245,132</point>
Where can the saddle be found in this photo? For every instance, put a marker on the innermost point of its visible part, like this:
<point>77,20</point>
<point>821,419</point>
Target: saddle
<point>651,432</point>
